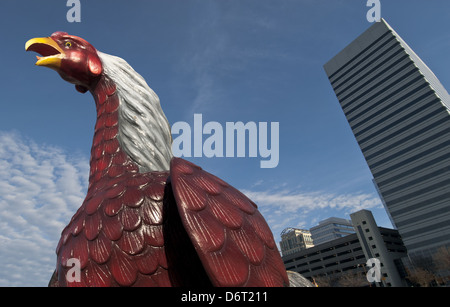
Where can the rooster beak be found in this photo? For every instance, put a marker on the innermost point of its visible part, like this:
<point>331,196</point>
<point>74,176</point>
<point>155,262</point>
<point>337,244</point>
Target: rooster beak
<point>51,53</point>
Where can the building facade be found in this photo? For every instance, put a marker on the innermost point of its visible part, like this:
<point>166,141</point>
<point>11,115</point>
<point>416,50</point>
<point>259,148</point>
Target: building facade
<point>399,113</point>
<point>294,240</point>
<point>331,229</point>
<point>345,259</point>
<point>383,244</point>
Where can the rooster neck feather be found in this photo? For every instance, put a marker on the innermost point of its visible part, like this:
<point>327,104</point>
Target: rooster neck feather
<point>143,132</point>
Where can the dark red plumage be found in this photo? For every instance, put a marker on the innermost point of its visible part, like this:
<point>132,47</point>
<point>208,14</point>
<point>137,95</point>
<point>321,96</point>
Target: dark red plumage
<point>182,227</point>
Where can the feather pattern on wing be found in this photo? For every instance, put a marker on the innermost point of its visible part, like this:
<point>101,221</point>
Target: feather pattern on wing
<point>231,237</point>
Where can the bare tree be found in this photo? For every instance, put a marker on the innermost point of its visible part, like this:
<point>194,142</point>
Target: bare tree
<point>420,276</point>
<point>352,280</point>
<point>323,281</point>
<point>441,260</point>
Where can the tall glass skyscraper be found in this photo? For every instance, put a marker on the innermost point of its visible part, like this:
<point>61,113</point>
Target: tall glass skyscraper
<point>399,113</point>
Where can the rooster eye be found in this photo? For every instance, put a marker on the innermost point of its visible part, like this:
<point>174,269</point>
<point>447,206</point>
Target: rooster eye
<point>68,44</point>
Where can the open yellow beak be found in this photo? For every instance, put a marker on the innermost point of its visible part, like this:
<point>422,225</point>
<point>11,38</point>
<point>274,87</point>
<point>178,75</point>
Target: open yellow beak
<point>51,53</point>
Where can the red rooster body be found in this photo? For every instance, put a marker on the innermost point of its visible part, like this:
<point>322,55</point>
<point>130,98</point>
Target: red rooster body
<point>161,223</point>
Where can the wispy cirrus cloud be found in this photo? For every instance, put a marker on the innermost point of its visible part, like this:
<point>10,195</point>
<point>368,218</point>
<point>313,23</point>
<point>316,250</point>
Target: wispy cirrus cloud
<point>295,208</point>
<point>214,53</point>
<point>40,189</point>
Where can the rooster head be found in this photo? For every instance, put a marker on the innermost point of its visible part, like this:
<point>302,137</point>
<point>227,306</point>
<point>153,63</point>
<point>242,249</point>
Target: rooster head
<point>72,57</point>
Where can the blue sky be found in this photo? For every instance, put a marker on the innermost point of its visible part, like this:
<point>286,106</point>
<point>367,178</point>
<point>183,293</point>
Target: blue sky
<point>238,60</point>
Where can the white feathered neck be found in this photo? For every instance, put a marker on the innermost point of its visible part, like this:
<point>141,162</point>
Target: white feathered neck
<point>144,132</point>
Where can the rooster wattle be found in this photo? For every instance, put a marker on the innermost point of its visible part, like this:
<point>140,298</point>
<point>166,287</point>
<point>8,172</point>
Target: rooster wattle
<point>150,219</point>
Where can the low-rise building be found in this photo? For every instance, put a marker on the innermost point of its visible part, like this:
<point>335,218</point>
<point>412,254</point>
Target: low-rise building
<point>331,229</point>
<point>294,240</point>
<point>344,260</point>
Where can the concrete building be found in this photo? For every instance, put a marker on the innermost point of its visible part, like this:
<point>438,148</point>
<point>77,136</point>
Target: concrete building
<point>294,240</point>
<point>380,243</point>
<point>347,256</point>
<point>399,113</point>
<point>329,260</point>
<point>330,229</point>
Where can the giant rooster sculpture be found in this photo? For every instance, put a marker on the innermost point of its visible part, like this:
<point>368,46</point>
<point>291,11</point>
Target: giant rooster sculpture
<point>150,219</point>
